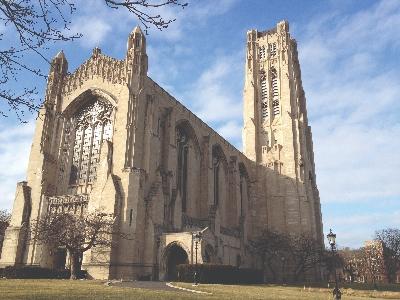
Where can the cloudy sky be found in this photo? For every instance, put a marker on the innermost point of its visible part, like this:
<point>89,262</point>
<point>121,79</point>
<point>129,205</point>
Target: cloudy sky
<point>350,60</point>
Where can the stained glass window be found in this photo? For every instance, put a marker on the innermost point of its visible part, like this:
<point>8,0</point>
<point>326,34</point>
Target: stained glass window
<point>92,127</point>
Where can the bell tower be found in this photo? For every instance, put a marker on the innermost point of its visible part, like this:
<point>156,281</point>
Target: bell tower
<point>276,133</point>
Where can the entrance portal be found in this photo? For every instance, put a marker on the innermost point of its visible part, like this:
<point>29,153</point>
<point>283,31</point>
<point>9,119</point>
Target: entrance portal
<point>175,256</point>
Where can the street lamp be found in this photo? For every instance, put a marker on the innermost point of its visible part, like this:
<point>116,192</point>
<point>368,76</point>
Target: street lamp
<point>197,239</point>
<point>337,294</point>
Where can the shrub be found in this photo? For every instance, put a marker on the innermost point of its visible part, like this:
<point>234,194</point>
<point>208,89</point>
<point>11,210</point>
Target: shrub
<point>210,273</point>
<point>36,272</point>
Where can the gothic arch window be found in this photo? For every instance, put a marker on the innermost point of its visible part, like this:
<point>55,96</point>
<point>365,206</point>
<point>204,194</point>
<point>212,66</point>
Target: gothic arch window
<point>188,168</point>
<point>275,92</point>
<point>183,151</point>
<point>219,173</point>
<point>92,125</point>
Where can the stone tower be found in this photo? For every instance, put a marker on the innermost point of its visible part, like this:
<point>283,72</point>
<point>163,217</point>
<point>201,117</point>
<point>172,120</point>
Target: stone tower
<point>276,133</point>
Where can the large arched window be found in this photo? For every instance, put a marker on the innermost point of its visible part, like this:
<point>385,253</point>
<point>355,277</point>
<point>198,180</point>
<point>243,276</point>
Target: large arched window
<point>188,168</point>
<point>92,125</point>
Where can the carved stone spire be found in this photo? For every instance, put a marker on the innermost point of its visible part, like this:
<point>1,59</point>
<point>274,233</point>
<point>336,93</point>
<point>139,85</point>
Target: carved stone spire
<point>136,52</point>
<point>58,71</point>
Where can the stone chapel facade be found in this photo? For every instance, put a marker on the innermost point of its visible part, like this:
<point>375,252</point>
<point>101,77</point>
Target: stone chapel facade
<point>110,137</point>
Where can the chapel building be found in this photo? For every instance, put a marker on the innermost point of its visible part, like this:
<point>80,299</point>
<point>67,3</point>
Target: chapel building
<point>109,137</point>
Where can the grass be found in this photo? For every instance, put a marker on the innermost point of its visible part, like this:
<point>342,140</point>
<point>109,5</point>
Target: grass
<point>316,291</point>
<point>22,289</point>
<point>66,289</point>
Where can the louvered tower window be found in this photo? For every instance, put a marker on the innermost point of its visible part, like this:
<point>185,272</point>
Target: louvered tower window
<point>262,52</point>
<point>275,93</point>
<point>272,49</point>
<point>264,97</point>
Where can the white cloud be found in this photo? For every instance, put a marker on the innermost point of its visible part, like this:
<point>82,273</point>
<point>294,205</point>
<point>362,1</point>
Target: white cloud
<point>93,29</point>
<point>15,145</point>
<point>353,231</point>
<point>353,102</point>
<point>232,131</point>
<point>195,14</point>
<point>214,96</point>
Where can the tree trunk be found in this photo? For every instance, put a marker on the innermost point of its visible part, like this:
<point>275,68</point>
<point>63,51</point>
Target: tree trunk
<point>75,264</point>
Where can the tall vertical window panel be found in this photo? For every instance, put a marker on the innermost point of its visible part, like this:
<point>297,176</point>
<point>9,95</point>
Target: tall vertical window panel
<point>264,98</point>
<point>275,93</point>
<point>93,126</point>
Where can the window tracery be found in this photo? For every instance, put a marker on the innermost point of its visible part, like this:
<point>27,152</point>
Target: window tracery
<point>92,126</point>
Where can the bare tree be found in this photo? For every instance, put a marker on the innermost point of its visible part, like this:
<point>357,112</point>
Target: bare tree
<point>76,233</point>
<point>371,261</point>
<point>272,247</point>
<point>351,263</point>
<point>32,25</point>
<point>306,253</point>
<point>390,239</point>
<point>300,253</point>
<point>332,261</point>
<point>5,218</point>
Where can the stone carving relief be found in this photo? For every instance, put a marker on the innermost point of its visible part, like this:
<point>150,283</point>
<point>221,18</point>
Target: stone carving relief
<point>100,65</point>
<point>76,204</point>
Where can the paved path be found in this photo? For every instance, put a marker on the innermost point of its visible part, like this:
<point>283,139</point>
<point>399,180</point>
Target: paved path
<point>153,285</point>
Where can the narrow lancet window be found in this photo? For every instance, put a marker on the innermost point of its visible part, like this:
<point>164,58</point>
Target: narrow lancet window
<point>183,152</point>
<point>272,49</point>
<point>264,97</point>
<point>275,93</point>
<point>262,52</point>
<point>216,165</point>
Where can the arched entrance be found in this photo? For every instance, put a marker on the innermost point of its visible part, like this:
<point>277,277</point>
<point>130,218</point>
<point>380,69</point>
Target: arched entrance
<point>175,255</point>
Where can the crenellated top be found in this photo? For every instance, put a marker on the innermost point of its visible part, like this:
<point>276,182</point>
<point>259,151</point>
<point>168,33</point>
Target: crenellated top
<point>98,65</point>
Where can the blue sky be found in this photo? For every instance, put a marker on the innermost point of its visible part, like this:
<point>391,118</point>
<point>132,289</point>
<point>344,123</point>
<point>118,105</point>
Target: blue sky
<point>350,60</point>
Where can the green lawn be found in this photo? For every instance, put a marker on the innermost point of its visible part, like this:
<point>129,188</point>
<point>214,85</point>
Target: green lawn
<point>66,289</point>
<point>359,292</point>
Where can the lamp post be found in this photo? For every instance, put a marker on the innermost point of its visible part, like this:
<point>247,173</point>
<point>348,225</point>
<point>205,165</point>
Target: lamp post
<point>197,239</point>
<point>337,294</point>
